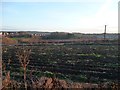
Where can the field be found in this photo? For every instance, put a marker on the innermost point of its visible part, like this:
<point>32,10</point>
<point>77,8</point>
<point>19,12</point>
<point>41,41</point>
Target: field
<point>87,63</point>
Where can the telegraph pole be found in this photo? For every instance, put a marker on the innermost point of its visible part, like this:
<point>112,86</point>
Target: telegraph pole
<point>105,32</point>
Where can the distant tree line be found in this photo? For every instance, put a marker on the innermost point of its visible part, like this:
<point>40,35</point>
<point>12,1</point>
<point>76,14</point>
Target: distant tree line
<point>58,35</point>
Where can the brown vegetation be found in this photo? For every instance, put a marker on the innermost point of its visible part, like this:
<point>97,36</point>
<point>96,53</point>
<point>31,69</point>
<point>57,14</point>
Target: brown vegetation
<point>33,39</point>
<point>23,56</point>
<point>54,83</point>
<point>8,41</point>
<point>7,80</point>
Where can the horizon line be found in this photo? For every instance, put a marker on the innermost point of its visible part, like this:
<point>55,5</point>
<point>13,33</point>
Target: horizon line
<point>59,32</point>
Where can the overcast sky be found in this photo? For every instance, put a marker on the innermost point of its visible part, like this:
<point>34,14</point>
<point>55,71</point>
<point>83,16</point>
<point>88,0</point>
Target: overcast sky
<point>82,16</point>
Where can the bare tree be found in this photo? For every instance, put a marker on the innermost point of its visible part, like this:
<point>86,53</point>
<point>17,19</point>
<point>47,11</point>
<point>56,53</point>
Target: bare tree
<point>23,56</point>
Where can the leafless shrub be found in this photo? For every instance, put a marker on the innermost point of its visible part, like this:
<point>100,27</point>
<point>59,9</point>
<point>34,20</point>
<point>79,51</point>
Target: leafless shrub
<point>7,80</point>
<point>23,56</point>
